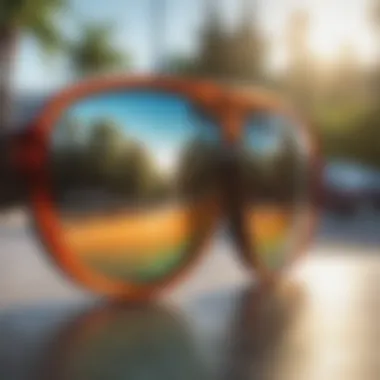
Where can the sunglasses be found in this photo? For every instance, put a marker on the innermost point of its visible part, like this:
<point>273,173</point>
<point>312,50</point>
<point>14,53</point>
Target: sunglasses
<point>128,180</point>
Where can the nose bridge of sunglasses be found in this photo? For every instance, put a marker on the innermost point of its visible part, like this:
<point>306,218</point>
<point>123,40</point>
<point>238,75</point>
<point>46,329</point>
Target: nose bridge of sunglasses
<point>232,124</point>
<point>232,181</point>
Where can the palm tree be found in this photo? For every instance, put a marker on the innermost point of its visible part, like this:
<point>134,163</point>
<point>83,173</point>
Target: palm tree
<point>94,52</point>
<point>23,16</point>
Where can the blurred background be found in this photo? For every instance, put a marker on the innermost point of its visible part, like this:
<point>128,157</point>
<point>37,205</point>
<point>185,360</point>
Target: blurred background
<point>322,56</point>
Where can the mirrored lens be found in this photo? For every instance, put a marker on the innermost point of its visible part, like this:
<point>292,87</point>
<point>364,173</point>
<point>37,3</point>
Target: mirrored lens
<point>276,164</point>
<point>134,177</point>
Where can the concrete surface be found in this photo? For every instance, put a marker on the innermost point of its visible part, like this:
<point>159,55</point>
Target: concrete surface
<point>322,322</point>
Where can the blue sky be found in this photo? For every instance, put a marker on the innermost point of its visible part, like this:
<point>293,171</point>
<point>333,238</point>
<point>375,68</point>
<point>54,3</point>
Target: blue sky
<point>164,124</point>
<point>334,21</point>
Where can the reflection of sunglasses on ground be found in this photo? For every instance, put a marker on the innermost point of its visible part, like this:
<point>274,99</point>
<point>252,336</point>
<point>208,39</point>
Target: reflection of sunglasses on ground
<point>129,177</point>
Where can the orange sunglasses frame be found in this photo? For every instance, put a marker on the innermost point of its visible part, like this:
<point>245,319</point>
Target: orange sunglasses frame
<point>230,107</point>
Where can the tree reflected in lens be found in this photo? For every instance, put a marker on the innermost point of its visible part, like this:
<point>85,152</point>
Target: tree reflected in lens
<point>135,178</point>
<point>276,172</point>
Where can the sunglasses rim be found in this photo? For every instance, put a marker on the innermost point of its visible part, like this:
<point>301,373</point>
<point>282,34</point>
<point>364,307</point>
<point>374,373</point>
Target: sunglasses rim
<point>47,222</point>
<point>268,102</point>
<point>204,93</point>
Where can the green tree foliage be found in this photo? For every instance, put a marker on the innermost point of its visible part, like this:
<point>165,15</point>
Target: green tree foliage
<point>340,99</point>
<point>273,177</point>
<point>211,59</point>
<point>182,65</point>
<point>108,162</point>
<point>34,17</point>
<point>198,170</point>
<point>94,53</point>
<point>246,48</point>
<point>236,56</point>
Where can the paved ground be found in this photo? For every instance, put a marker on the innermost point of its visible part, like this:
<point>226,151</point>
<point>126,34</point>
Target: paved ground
<point>320,324</point>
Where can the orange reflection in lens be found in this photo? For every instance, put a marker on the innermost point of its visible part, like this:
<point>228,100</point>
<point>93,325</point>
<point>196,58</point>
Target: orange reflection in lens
<point>270,227</point>
<point>139,244</point>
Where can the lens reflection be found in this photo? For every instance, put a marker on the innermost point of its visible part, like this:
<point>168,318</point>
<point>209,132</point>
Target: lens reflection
<point>276,164</point>
<point>134,179</point>
<point>125,343</point>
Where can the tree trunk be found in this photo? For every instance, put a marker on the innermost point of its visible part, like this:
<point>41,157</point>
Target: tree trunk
<point>7,50</point>
<point>9,189</point>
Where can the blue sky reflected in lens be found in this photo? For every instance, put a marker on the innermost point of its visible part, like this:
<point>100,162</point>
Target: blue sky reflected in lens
<point>264,134</point>
<point>165,124</point>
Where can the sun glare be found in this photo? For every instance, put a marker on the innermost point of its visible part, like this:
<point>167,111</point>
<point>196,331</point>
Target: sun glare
<point>166,161</point>
<point>337,25</point>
